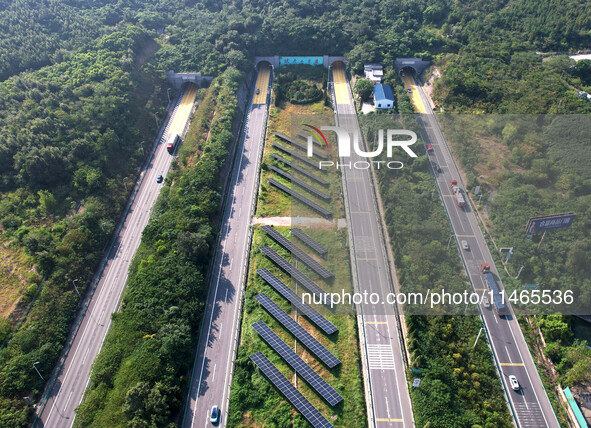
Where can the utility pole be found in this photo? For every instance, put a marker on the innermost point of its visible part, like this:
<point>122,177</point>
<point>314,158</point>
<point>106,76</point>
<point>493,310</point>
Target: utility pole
<point>35,367</point>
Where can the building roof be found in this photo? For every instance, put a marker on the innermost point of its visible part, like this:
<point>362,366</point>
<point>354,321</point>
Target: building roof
<point>382,92</point>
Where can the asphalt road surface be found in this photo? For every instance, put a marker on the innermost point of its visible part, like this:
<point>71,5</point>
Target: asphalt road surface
<point>384,356</point>
<point>530,405</point>
<point>211,375</point>
<point>72,379</point>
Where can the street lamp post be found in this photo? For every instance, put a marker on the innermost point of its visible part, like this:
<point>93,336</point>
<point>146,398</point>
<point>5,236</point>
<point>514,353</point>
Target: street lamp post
<point>76,288</point>
<point>35,367</point>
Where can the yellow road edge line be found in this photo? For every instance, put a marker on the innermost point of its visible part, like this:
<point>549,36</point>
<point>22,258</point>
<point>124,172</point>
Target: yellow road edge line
<point>513,364</point>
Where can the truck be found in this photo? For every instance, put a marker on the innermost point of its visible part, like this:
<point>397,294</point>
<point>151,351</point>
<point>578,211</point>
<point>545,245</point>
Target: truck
<point>493,288</point>
<point>172,143</point>
<point>458,193</point>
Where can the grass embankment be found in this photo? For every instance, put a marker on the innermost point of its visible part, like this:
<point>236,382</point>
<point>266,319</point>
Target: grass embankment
<point>254,400</point>
<point>139,376</point>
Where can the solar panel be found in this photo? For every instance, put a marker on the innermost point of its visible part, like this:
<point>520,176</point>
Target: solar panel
<point>301,170</point>
<point>297,252</point>
<point>294,396</point>
<point>309,241</point>
<point>298,331</point>
<point>301,368</point>
<point>291,270</point>
<point>293,298</point>
<point>299,145</point>
<point>301,183</point>
<point>295,155</point>
<point>294,194</point>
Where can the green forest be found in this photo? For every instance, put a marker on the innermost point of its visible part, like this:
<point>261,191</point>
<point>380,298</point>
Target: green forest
<point>82,92</point>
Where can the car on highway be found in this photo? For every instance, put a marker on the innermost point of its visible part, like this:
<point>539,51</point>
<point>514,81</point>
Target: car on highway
<point>486,302</point>
<point>258,91</point>
<point>429,148</point>
<point>409,90</point>
<point>402,73</point>
<point>465,245</point>
<point>514,383</point>
<point>215,415</point>
<point>159,179</point>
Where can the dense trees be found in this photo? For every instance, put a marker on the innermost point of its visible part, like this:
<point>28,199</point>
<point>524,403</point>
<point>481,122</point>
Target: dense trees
<point>62,190</point>
<point>70,134</point>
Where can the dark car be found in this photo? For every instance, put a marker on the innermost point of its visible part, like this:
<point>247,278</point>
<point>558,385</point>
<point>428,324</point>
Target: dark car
<point>409,90</point>
<point>159,179</point>
<point>258,91</point>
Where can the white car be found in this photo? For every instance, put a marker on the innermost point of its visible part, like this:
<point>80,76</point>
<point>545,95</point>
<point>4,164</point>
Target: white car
<point>486,302</point>
<point>465,245</point>
<point>215,415</point>
<point>514,383</point>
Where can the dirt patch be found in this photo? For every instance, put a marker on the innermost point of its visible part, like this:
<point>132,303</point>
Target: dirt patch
<point>15,272</point>
<point>434,74</point>
<point>145,52</point>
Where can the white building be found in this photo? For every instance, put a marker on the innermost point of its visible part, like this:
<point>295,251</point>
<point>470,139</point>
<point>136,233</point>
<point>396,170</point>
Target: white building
<point>373,72</point>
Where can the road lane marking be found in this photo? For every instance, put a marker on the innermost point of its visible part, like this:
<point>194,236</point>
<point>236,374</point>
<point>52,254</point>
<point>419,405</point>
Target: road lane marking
<point>388,420</point>
<point>68,400</point>
<point>376,322</point>
<point>513,364</point>
<point>85,355</point>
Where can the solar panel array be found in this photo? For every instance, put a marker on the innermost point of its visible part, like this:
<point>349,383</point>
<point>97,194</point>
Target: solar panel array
<point>299,145</point>
<point>297,252</point>
<point>301,183</point>
<point>292,271</point>
<point>293,298</point>
<point>295,155</point>
<point>294,396</point>
<point>294,194</point>
<point>300,366</point>
<point>298,331</point>
<point>309,241</point>
<point>301,170</point>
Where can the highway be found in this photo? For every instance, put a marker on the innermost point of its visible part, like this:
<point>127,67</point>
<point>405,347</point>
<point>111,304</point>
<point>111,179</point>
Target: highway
<point>409,83</point>
<point>530,405</point>
<point>66,390</point>
<point>382,352</point>
<point>216,350</point>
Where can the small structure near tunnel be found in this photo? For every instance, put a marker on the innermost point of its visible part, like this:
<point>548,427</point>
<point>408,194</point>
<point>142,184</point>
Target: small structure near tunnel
<point>177,80</point>
<point>383,97</point>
